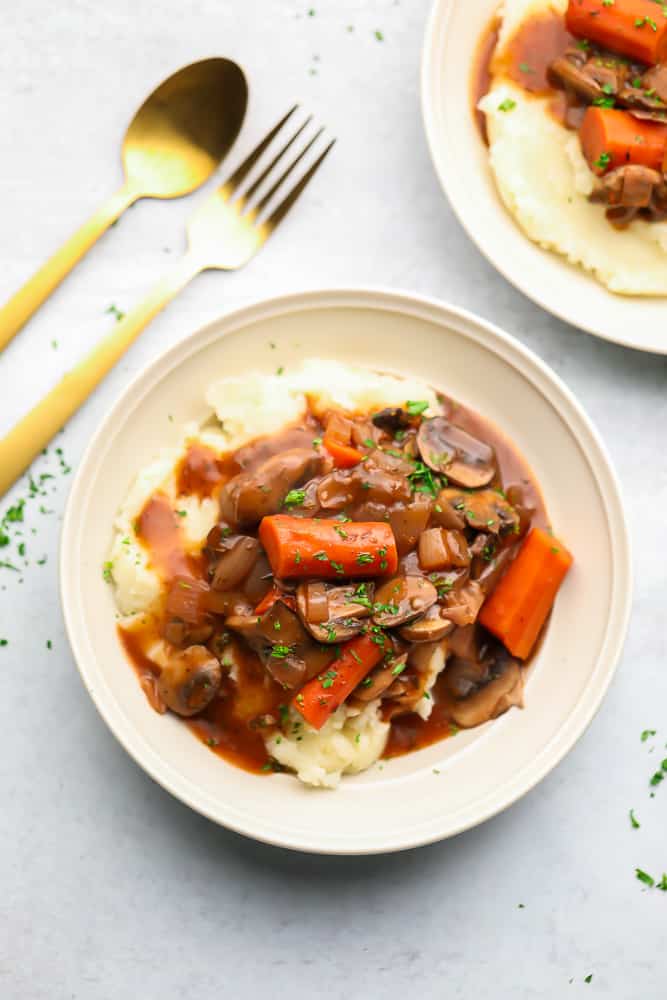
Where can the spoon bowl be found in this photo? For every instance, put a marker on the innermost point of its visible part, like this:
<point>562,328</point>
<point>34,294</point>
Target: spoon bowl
<point>184,129</point>
<point>176,140</point>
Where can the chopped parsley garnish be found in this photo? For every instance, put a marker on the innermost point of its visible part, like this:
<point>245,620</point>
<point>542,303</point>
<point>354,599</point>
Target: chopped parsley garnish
<point>398,669</point>
<point>115,311</point>
<point>647,734</point>
<point>603,161</point>
<point>416,407</point>
<point>342,532</point>
<point>423,480</point>
<point>634,821</point>
<point>321,557</point>
<point>507,105</point>
<point>317,442</point>
<point>644,877</point>
<point>279,652</point>
<point>106,572</point>
<point>364,558</point>
<point>297,557</point>
<point>525,68</point>
<point>355,656</point>
<point>294,498</point>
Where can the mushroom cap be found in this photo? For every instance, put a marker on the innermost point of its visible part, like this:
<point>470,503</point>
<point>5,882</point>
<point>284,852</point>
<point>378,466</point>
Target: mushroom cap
<point>190,680</point>
<point>431,627</point>
<point>454,453</point>
<point>402,599</point>
<point>331,614</point>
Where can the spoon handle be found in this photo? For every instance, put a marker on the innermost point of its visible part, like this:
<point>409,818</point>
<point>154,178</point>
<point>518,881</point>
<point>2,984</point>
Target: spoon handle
<point>32,434</point>
<point>24,303</point>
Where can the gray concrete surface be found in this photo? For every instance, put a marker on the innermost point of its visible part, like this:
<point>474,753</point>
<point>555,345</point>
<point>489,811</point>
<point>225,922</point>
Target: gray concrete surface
<point>108,887</point>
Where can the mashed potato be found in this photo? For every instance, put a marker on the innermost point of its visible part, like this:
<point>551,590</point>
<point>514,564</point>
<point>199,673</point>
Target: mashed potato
<point>349,742</point>
<point>244,408</point>
<point>545,181</point>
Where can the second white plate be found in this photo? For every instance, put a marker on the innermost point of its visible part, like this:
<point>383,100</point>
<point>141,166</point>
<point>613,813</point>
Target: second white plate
<point>461,162</point>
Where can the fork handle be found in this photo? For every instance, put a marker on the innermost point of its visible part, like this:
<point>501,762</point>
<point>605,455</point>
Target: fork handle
<point>24,303</point>
<point>32,434</point>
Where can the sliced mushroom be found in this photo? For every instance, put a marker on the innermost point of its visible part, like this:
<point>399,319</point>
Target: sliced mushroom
<point>430,628</point>
<point>465,675</point>
<point>239,554</point>
<point>493,699</point>
<point>462,605</point>
<point>189,680</point>
<point>332,614</point>
<point>402,599</point>
<point>280,625</point>
<point>443,549</point>
<point>380,679</point>
<point>484,510</point>
<point>454,453</point>
<point>250,496</point>
<point>629,186</point>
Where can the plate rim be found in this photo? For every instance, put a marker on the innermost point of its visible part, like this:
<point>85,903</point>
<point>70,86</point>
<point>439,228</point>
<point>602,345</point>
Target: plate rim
<point>418,306</point>
<point>526,288</point>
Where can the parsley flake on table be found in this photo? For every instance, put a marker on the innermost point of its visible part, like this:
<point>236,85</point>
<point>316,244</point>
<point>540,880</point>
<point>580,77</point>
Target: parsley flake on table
<point>634,822</point>
<point>644,877</point>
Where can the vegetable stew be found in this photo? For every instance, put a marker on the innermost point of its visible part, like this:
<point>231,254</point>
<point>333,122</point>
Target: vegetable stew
<point>350,553</point>
<point>604,66</point>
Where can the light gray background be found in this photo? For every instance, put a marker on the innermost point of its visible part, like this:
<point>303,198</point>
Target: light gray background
<point>108,887</point>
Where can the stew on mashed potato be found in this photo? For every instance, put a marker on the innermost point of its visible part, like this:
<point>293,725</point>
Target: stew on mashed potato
<point>363,580</point>
<point>587,82</point>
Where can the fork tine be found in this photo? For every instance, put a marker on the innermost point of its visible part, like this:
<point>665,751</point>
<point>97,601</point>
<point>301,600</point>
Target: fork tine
<point>261,205</point>
<point>276,160</point>
<point>241,172</point>
<point>283,208</point>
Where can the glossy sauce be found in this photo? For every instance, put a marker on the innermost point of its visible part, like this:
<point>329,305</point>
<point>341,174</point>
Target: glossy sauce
<point>224,725</point>
<point>159,531</point>
<point>526,61</point>
<point>200,472</point>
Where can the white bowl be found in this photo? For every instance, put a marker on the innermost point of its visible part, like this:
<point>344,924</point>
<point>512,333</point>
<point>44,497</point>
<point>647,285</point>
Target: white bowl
<point>461,163</point>
<point>402,803</point>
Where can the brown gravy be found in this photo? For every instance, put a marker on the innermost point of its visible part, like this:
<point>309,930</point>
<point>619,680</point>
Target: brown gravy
<point>526,60</point>
<point>224,724</point>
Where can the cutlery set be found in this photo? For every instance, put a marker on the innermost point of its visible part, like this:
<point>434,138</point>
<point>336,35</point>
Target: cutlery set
<point>173,145</point>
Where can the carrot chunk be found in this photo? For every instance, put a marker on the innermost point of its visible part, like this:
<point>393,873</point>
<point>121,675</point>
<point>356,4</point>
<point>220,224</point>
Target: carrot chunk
<point>304,547</point>
<point>611,138</point>
<point>344,455</point>
<point>635,28</point>
<point>318,699</point>
<point>520,604</point>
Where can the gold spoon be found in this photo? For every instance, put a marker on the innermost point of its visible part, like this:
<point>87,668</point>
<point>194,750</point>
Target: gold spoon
<point>176,140</point>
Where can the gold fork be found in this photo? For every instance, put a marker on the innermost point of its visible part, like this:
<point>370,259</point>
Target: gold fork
<point>224,233</point>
